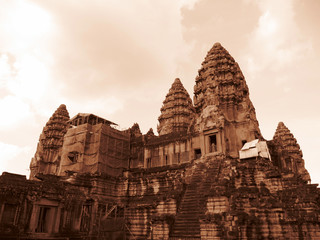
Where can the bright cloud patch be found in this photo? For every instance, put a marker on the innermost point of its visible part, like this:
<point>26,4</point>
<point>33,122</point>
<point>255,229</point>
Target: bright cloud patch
<point>31,78</point>
<point>15,111</point>
<point>25,22</point>
<point>267,24</point>
<point>13,158</point>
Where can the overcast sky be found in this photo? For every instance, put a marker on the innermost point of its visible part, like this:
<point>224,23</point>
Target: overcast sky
<point>118,59</point>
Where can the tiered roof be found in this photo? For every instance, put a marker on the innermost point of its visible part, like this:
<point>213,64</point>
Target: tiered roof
<point>285,140</point>
<point>55,129</point>
<point>176,111</point>
<point>220,80</point>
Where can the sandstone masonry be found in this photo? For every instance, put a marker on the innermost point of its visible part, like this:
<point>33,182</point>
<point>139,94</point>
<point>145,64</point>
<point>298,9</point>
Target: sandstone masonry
<point>209,174</point>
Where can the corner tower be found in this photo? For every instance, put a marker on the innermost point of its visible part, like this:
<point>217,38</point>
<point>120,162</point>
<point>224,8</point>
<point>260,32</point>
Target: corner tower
<point>48,155</point>
<point>289,153</point>
<point>221,99</point>
<point>177,110</point>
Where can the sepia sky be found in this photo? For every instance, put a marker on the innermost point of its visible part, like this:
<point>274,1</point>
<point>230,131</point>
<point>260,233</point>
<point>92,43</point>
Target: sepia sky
<point>118,59</point>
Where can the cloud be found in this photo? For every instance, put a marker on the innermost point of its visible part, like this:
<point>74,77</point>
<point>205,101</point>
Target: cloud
<point>279,59</point>
<point>115,44</point>
<point>15,111</point>
<point>276,42</point>
<point>14,158</point>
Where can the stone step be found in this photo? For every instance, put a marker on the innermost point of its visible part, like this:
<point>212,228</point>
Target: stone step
<point>186,232</point>
<point>191,228</point>
<point>195,199</point>
<point>190,194</point>
<point>185,236</point>
<point>186,227</point>
<point>189,211</point>
<point>192,210</point>
<point>189,203</point>
<point>187,220</point>
<point>187,217</point>
<point>190,200</point>
<point>180,237</point>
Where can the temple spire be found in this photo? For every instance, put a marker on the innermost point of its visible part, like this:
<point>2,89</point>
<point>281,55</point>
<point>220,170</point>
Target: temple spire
<point>176,111</point>
<point>221,99</point>
<point>220,82</point>
<point>289,152</point>
<point>47,156</point>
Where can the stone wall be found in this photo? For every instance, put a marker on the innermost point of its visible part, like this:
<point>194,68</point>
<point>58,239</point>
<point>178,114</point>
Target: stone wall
<point>153,198</point>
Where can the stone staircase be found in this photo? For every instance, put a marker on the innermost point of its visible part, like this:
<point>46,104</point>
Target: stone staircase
<point>187,225</point>
<point>211,176</point>
<point>193,205</point>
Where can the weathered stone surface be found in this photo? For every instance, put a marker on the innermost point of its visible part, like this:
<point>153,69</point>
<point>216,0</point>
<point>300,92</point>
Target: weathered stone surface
<point>186,183</point>
<point>221,99</point>
<point>289,152</point>
<point>47,156</point>
<point>177,110</point>
<point>220,82</point>
<point>150,133</point>
<point>135,130</point>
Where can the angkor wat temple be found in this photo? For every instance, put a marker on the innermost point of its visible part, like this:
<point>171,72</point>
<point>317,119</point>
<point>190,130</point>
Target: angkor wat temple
<point>209,174</point>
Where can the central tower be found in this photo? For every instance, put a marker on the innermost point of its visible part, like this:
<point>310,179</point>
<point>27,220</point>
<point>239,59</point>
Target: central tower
<point>221,99</point>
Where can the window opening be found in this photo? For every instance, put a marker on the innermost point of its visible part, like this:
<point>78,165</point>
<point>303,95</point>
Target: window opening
<point>9,213</point>
<point>289,164</point>
<point>166,159</point>
<point>120,212</point>
<point>197,153</point>
<point>73,156</point>
<point>42,225</point>
<point>148,162</point>
<point>212,143</point>
<point>85,218</point>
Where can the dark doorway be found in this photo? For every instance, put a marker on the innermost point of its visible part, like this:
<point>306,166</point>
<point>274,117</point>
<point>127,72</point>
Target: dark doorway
<point>42,225</point>
<point>148,162</point>
<point>212,143</point>
<point>197,153</point>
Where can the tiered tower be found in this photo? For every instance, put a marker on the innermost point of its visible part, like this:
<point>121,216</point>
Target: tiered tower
<point>188,183</point>
<point>289,152</point>
<point>221,98</point>
<point>177,110</point>
<point>48,154</point>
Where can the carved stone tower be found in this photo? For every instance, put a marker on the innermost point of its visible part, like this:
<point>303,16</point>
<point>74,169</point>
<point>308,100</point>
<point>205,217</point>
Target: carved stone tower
<point>289,153</point>
<point>221,99</point>
<point>177,110</point>
<point>48,154</point>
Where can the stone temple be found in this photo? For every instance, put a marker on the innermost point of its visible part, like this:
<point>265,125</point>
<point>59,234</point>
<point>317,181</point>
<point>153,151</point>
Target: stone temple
<point>209,174</point>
